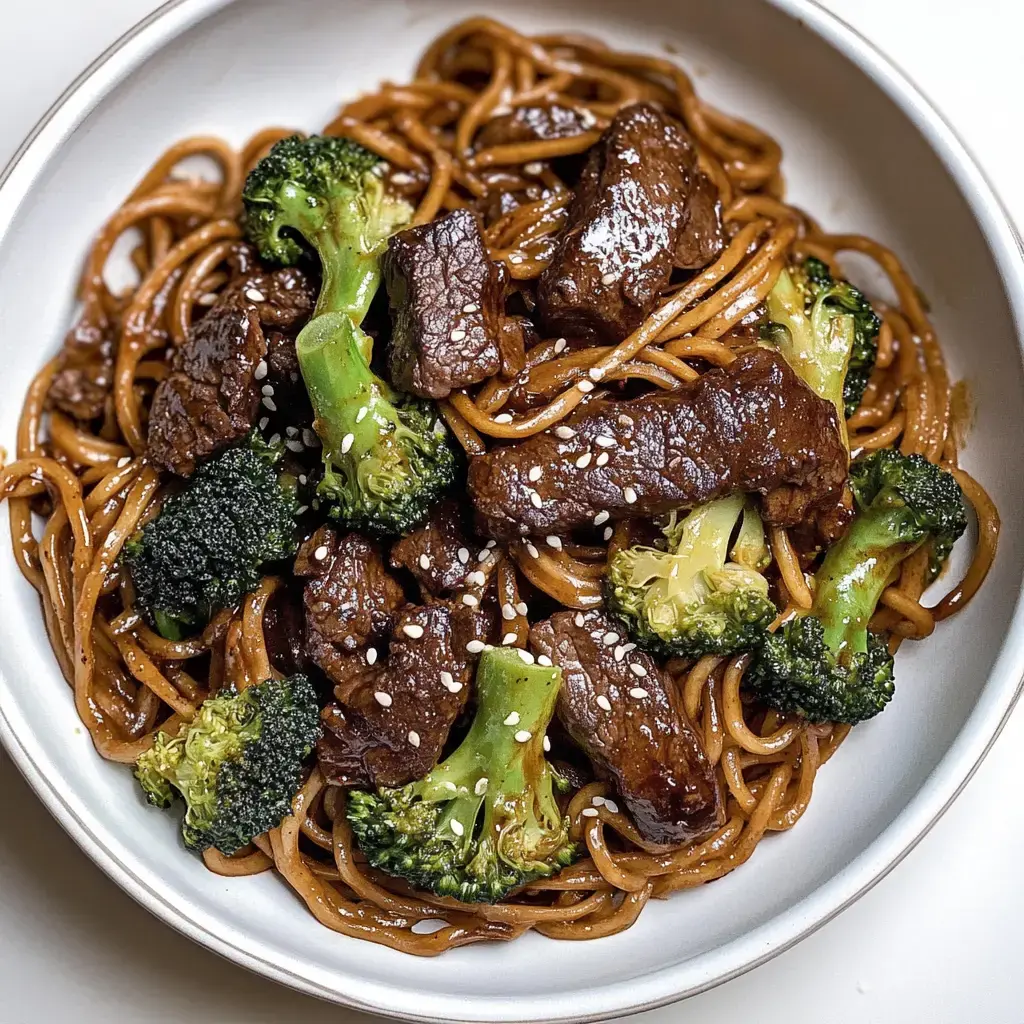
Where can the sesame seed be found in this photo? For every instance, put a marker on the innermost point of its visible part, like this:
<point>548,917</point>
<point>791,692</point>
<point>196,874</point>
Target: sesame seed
<point>598,801</point>
<point>255,295</point>
<point>584,460</point>
<point>477,577</point>
<point>624,420</point>
<point>560,346</point>
<point>346,443</point>
<point>580,620</point>
<point>470,307</point>
<point>425,927</point>
<point>401,178</point>
<point>611,639</point>
<point>274,439</point>
<point>371,655</point>
<point>291,431</point>
<point>608,533</point>
<point>536,500</point>
<point>301,510</point>
<point>629,494</point>
<point>595,373</point>
<point>524,736</point>
<point>604,703</point>
<point>448,681</point>
<point>491,544</point>
<point>512,719</point>
<point>382,698</point>
<point>268,403</point>
<point>535,474</point>
<point>602,459</point>
<point>565,433</point>
<point>457,827</point>
<point>475,646</point>
<point>543,659</point>
<point>302,479</point>
<point>586,386</point>
<point>481,786</point>
<point>612,806</point>
<point>547,745</point>
<point>361,415</point>
<point>309,438</point>
<point>601,517</point>
<point>424,561</point>
<point>607,279</point>
<point>509,639</point>
<point>123,461</point>
<point>525,656</point>
<point>463,555</point>
<point>533,167</point>
<point>638,692</point>
<point>589,812</point>
<point>521,607</point>
<point>620,653</point>
<point>604,441</point>
<point>470,600</point>
<point>533,552</point>
<point>554,542</point>
<point>268,389</point>
<point>414,738</point>
<point>597,633</point>
<point>515,258</point>
<point>264,422</point>
<point>207,299</point>
<point>503,417</point>
<point>637,670</point>
<point>458,334</point>
<point>413,630</point>
<point>321,553</point>
<point>483,555</point>
<point>508,612</point>
<point>450,786</point>
<point>261,370</point>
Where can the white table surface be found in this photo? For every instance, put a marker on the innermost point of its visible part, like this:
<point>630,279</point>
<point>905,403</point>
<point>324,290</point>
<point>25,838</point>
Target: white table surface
<point>937,941</point>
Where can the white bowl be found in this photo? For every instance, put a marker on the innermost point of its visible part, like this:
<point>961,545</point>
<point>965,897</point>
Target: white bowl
<point>864,152</point>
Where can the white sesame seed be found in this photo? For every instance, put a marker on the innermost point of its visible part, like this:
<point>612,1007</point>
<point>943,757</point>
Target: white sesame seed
<point>589,812</point>
<point>503,417</point>
<point>450,786</point>
<point>414,738</point>
<point>612,806</point>
<point>401,178</point>
<point>268,403</point>
<point>637,670</point>
<point>481,786</point>
<point>602,459</point>
<point>463,555</point>
<point>483,555</point>
<point>620,653</point>
<point>629,494</point>
<point>554,542</point>
<point>598,801</point>
<point>302,479</point>
<point>371,655</point>
<point>413,630</point>
<point>207,299</point>
<point>584,460</point>
<point>361,415</point>
<point>491,544</point>
<point>525,656</point>
<point>580,619</point>
<point>638,692</point>
<point>301,510</point>
<point>458,334</point>
<point>624,420</point>
<point>268,389</point>
<point>597,634</point>
<point>424,561</point>
<point>560,346</point>
<point>456,826</point>
<point>470,307</point>
<point>309,438</point>
<point>547,745</point>
<point>595,373</point>
<point>533,167</point>
<point>512,718</point>
<point>255,295</point>
<point>475,646</point>
<point>382,698</point>
<point>605,441</point>
<point>564,432</point>
<point>535,474</point>
<point>543,659</point>
<point>264,422</point>
<point>261,370</point>
<point>608,533</point>
<point>508,612</point>
<point>532,551</point>
<point>426,926</point>
<point>470,601</point>
<point>515,258</point>
<point>607,279</point>
<point>274,439</point>
<point>477,577</point>
<point>610,639</point>
<point>536,500</point>
<point>448,681</point>
<point>291,431</point>
<point>521,607</point>
<point>604,703</point>
<point>601,517</point>
<point>586,386</point>
<point>321,553</point>
<point>123,461</point>
<point>509,639</point>
<point>346,443</point>
<point>524,736</point>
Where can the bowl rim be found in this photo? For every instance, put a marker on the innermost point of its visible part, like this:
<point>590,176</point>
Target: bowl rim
<point>666,985</point>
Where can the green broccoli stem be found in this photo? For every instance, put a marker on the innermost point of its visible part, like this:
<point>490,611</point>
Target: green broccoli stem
<point>702,538</point>
<point>855,572</point>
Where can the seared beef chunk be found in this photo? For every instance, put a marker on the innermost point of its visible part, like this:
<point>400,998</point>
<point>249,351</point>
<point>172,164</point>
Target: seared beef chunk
<point>351,599</point>
<point>284,298</point>
<point>85,370</point>
<point>616,704</point>
<point>392,727</point>
<point>446,306</point>
<point>284,631</point>
<point>211,396</point>
<point>753,426</point>
<point>641,208</point>
<point>440,553</point>
<point>534,124</point>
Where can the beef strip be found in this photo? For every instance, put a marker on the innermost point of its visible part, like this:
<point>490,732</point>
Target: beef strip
<point>284,630</point>
<point>210,398</point>
<point>283,298</point>
<point>753,426</point>
<point>534,124</point>
<point>446,306</point>
<point>351,600</point>
<point>642,207</point>
<point>619,708</point>
<point>441,552</point>
<point>392,727</point>
<point>85,368</point>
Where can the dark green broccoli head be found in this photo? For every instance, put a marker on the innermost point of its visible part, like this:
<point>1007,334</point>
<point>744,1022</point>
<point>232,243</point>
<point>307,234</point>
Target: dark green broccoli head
<point>485,821</point>
<point>690,599</point>
<point>237,765</point>
<point>210,543</point>
<point>798,673</point>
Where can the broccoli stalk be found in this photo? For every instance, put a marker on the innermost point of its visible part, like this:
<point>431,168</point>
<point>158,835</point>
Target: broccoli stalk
<point>387,457</point>
<point>210,542</point>
<point>690,600</point>
<point>824,664</point>
<point>485,821</point>
<point>237,764</point>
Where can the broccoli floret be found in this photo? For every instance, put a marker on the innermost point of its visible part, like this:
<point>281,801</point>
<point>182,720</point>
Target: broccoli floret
<point>210,542</point>
<point>485,821</point>
<point>387,456</point>
<point>237,765</point>
<point>824,664</point>
<point>827,331</point>
<point>689,599</point>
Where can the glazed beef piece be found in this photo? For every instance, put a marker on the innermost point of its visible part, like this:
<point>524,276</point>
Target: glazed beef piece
<point>618,707</point>
<point>85,370</point>
<point>441,552</point>
<point>642,208</point>
<point>392,727</point>
<point>446,306</point>
<point>211,397</point>
<point>284,631</point>
<point>534,124</point>
<point>283,298</point>
<point>753,426</point>
<point>351,600</point>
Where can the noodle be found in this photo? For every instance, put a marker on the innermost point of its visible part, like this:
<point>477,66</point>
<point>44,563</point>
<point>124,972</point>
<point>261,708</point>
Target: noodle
<point>95,488</point>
